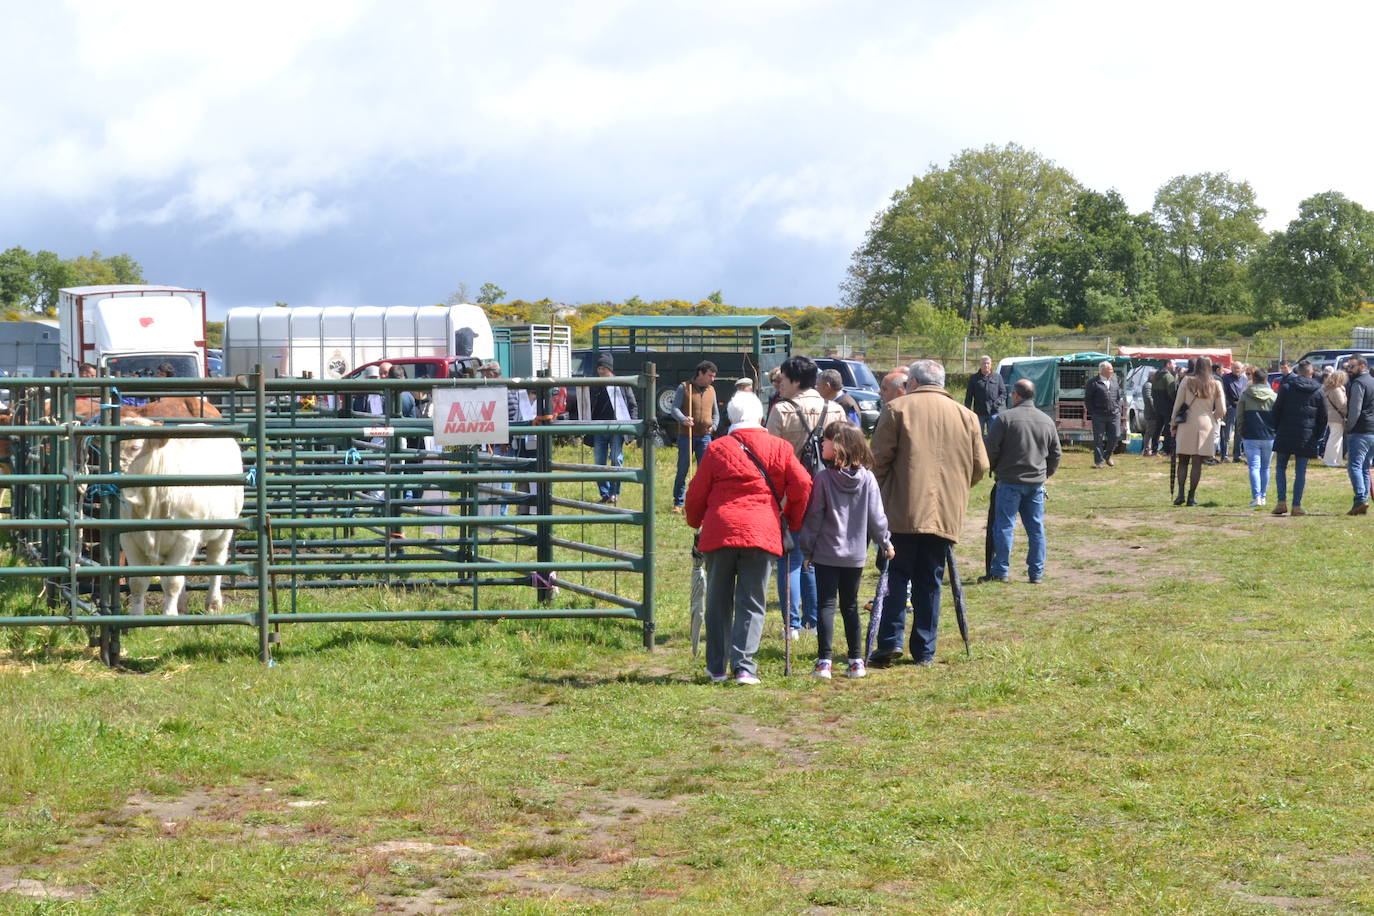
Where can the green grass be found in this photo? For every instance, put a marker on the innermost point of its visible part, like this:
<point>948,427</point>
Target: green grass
<point>1178,720</point>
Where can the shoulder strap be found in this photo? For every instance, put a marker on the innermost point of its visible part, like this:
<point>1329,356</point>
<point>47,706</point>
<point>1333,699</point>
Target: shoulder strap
<point>762,470</point>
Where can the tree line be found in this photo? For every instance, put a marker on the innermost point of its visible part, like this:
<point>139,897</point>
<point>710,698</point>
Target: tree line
<point>29,281</point>
<point>1003,235</point>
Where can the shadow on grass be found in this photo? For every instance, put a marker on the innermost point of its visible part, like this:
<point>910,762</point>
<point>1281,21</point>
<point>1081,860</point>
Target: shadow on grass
<point>583,681</point>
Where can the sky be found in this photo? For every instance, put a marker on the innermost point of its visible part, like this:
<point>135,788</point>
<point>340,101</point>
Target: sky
<point>366,153</point>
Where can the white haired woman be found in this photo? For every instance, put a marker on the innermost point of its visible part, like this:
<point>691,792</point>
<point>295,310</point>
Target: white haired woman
<point>734,499</point>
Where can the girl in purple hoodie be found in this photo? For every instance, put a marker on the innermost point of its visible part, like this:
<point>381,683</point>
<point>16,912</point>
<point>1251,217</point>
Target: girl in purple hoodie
<point>844,514</point>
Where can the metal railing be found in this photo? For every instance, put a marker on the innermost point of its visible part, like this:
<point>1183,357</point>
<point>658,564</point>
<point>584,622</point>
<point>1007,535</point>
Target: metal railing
<point>332,501</point>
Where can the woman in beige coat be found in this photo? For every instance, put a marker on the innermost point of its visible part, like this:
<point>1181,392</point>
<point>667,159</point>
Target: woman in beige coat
<point>1196,437</point>
<point>1333,395</point>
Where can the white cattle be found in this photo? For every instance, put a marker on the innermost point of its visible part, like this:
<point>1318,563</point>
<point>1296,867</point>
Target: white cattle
<point>178,548</point>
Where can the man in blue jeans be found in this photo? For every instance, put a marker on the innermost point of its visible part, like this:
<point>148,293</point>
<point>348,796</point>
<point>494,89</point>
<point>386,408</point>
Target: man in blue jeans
<point>1359,431</point>
<point>615,404</point>
<point>697,414</point>
<point>927,454</point>
<point>1023,449</point>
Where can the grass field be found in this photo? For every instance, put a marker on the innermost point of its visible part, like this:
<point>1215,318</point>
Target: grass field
<point>1178,720</point>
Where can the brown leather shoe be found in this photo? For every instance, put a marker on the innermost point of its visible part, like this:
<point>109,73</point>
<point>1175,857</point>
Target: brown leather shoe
<point>1280,509</point>
<point>1359,509</point>
<point>1298,510</point>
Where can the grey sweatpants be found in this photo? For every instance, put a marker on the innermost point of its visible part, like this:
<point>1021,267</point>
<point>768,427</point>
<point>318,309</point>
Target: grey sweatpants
<point>736,595</point>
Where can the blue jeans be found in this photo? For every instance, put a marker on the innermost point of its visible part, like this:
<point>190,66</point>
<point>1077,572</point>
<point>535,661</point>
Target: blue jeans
<point>1361,452</point>
<point>801,587</point>
<point>685,453</point>
<point>1226,430</point>
<point>1257,454</point>
<point>608,446</point>
<point>1299,477</point>
<point>985,422</point>
<point>1027,499</point>
<point>920,564</point>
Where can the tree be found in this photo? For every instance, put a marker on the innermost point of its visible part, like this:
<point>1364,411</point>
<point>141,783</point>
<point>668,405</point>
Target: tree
<point>943,329</point>
<point>716,298</point>
<point>1209,228</point>
<point>959,238</point>
<point>459,295</point>
<point>490,294</point>
<point>1322,264</point>
<point>1099,269</point>
<point>31,281</point>
<point>17,288</point>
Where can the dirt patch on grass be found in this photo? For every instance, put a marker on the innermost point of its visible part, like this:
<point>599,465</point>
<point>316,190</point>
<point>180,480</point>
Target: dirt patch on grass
<point>748,731</point>
<point>1279,901</point>
<point>11,883</point>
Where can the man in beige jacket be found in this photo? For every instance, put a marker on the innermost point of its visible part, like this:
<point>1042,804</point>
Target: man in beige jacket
<point>927,454</point>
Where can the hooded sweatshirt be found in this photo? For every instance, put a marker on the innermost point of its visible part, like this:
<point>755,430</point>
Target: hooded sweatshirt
<point>844,514</point>
<point>1255,412</point>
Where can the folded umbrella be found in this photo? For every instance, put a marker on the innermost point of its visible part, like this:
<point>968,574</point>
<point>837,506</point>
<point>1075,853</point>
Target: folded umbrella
<point>875,616</point>
<point>698,593</point>
<point>957,587</point>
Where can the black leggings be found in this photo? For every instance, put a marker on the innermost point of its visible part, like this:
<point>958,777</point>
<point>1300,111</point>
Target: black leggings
<point>841,581</point>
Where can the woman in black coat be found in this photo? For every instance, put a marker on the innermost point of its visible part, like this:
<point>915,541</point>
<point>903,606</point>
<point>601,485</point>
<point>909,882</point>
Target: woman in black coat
<point>1299,421</point>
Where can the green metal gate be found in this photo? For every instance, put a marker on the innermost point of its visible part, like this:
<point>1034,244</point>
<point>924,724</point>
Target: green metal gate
<point>332,500</point>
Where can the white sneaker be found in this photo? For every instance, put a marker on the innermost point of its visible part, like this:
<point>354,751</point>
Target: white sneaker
<point>1256,502</point>
<point>856,668</point>
<point>822,669</point>
<point>795,634</point>
<point>716,678</point>
<point>744,677</point>
<point>1262,499</point>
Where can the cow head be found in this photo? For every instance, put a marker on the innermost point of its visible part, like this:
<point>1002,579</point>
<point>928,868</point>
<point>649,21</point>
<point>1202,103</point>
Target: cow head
<point>130,449</point>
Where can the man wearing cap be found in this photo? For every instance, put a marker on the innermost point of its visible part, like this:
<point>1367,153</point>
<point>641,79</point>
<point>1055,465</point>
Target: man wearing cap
<point>697,415</point>
<point>615,404</point>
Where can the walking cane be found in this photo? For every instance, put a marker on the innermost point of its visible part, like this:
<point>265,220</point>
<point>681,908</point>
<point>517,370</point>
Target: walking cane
<point>787,614</point>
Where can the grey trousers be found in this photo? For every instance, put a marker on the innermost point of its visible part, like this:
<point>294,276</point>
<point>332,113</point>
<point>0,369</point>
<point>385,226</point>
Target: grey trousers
<point>736,595</point>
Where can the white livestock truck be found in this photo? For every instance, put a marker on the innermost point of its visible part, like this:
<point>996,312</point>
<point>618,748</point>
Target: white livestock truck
<point>132,330</point>
<point>331,341</point>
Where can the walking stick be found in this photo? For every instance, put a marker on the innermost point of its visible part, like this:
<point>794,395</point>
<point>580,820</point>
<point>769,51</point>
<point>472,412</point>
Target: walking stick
<point>1173,467</point>
<point>787,613</point>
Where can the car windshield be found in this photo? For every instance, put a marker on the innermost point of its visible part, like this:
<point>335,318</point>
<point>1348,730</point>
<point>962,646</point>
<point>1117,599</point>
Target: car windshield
<point>863,376</point>
<point>148,366</point>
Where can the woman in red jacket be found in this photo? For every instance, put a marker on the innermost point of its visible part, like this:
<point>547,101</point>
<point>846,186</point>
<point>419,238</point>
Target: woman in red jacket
<point>732,503</point>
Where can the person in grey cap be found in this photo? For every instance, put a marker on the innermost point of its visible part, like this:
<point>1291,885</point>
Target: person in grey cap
<point>615,404</point>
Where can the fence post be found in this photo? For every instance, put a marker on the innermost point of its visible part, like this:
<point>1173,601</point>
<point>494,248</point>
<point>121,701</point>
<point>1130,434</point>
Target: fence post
<point>647,411</point>
<point>965,361</point>
<point>1032,345</point>
<point>543,501</point>
<point>260,513</point>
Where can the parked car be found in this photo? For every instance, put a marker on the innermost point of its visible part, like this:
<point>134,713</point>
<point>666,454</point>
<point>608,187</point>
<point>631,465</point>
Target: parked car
<point>1320,359</point>
<point>1137,391</point>
<point>860,384</point>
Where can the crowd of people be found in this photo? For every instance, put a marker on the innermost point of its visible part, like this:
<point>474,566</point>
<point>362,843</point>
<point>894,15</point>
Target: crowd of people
<point>799,487</point>
<point>1204,417</point>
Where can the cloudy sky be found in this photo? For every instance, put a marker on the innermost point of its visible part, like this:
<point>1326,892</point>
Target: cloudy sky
<point>356,152</point>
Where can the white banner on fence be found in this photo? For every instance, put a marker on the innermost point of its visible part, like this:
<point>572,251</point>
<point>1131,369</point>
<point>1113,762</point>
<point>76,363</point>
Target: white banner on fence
<point>470,416</point>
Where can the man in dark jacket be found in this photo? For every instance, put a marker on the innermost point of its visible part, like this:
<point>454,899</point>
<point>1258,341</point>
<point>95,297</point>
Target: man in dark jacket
<point>1102,398</point>
<point>1359,431</point>
<point>1163,389</point>
<point>1299,421</point>
<point>986,394</point>
<point>1023,450</point>
<point>1232,386</point>
<point>613,404</point>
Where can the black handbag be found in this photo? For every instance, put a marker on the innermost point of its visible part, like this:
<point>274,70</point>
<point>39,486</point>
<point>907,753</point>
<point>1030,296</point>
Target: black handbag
<point>1182,416</point>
